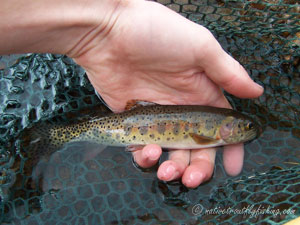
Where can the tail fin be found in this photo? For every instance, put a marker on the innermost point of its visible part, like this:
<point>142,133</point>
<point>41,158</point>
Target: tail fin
<point>35,143</point>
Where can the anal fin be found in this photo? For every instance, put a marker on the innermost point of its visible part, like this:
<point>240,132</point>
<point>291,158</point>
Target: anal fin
<point>133,148</point>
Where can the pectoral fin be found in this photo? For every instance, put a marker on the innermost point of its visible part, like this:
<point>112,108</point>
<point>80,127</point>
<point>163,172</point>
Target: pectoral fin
<point>203,140</point>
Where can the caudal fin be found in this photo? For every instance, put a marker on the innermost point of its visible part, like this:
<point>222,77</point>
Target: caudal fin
<point>36,144</point>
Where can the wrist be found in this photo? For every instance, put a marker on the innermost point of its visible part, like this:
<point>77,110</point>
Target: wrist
<point>96,21</point>
<point>57,26</point>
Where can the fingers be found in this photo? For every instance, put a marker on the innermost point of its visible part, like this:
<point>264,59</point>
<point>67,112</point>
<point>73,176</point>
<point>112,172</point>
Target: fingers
<point>226,71</point>
<point>148,156</point>
<point>233,157</point>
<point>169,170</point>
<point>173,168</point>
<point>194,167</point>
<point>201,167</point>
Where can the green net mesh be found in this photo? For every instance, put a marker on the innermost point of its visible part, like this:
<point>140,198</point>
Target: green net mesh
<point>79,185</point>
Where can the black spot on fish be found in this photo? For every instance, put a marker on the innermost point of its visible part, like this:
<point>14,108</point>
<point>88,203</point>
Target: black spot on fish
<point>152,136</point>
<point>96,132</point>
<point>196,127</point>
<point>176,128</point>
<point>127,130</point>
<point>161,128</point>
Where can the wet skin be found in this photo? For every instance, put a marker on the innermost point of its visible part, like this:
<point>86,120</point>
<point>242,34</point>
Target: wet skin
<point>150,64</point>
<point>135,49</point>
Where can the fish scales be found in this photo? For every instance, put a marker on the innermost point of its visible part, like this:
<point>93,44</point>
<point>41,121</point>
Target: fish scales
<point>170,126</point>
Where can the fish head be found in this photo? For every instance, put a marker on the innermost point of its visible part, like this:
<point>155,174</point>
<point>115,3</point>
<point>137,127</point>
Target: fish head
<point>236,130</point>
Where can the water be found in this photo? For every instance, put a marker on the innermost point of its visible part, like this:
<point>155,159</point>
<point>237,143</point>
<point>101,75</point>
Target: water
<point>80,184</point>
<point>84,182</point>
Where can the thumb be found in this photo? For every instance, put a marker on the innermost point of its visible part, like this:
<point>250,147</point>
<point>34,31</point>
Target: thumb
<point>227,72</point>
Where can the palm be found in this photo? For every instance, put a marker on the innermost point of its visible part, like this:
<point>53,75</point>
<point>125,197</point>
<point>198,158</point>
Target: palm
<point>182,87</point>
<point>161,57</point>
<point>143,61</point>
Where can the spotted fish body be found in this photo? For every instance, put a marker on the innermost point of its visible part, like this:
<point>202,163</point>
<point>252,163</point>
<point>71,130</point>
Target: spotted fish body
<point>170,126</point>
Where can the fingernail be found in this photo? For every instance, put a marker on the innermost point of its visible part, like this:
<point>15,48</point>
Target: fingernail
<point>259,87</point>
<point>170,174</point>
<point>195,177</point>
<point>153,154</point>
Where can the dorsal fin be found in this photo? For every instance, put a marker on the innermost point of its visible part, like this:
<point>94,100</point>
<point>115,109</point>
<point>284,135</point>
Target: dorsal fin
<point>134,103</point>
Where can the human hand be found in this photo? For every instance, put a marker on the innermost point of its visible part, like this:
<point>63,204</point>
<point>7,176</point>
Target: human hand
<point>151,53</point>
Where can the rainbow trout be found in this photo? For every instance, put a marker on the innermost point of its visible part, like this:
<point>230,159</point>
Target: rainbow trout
<point>170,126</point>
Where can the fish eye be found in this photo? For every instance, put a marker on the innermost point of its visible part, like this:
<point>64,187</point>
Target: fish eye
<point>249,126</point>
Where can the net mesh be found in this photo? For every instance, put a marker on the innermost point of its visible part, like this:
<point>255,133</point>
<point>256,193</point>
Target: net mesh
<point>81,185</point>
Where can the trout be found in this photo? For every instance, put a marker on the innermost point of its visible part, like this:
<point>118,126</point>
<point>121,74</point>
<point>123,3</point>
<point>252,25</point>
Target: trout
<point>170,126</point>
